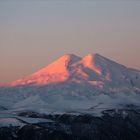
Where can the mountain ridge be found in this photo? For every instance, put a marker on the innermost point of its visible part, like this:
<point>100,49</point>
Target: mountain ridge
<point>73,93</point>
<point>71,84</point>
<point>92,69</point>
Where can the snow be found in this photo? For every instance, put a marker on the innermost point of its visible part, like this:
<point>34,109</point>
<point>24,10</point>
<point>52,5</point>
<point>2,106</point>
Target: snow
<point>33,120</point>
<point>92,69</point>
<point>58,71</point>
<point>20,121</point>
<point>72,84</point>
<point>10,122</point>
<point>69,103</point>
<point>89,61</point>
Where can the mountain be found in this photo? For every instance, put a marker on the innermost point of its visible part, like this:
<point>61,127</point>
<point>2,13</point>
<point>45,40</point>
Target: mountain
<point>73,98</point>
<point>74,84</point>
<point>57,71</point>
<point>92,70</point>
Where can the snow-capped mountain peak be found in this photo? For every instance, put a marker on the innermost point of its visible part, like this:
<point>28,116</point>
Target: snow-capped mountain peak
<point>91,61</point>
<point>78,84</point>
<point>57,71</point>
<point>61,65</point>
<point>93,69</point>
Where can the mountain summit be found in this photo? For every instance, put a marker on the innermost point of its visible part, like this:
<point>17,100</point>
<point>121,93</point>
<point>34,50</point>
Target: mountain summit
<point>57,71</point>
<point>93,69</point>
<point>91,84</point>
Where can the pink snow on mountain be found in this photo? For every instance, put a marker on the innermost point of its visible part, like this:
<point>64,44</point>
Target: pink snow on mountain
<point>92,69</point>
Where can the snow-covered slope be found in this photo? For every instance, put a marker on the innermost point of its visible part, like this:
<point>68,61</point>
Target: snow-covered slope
<point>58,71</point>
<point>74,84</point>
<point>93,69</point>
<point>39,100</point>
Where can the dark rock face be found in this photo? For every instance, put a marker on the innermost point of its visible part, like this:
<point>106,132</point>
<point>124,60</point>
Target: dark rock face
<point>32,132</point>
<point>113,125</point>
<point>8,133</point>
